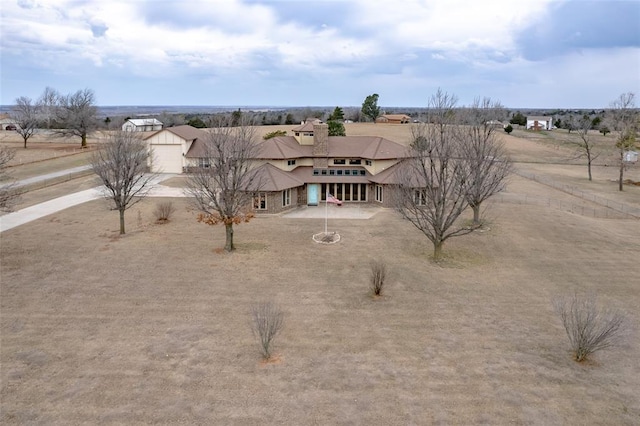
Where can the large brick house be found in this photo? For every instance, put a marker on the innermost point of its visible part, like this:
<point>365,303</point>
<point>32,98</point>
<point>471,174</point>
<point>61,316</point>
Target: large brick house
<point>301,169</point>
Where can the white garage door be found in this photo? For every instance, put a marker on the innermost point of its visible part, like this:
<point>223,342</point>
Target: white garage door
<point>166,159</point>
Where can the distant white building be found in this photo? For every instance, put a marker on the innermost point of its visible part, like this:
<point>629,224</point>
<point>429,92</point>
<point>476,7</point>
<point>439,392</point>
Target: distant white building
<point>631,157</point>
<point>497,124</point>
<point>141,125</point>
<point>539,122</point>
<point>7,121</point>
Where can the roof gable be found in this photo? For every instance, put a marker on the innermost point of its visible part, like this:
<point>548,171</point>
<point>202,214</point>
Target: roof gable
<point>284,147</point>
<point>273,179</point>
<point>186,132</point>
<point>306,126</point>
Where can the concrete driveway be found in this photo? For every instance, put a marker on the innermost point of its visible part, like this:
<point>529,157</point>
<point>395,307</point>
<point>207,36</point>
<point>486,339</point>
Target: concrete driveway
<point>20,217</point>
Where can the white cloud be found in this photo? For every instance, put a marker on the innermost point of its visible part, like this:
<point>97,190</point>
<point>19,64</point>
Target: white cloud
<point>227,35</point>
<point>358,43</point>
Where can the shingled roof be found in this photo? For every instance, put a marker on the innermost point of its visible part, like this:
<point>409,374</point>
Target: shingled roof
<point>367,147</point>
<point>284,147</point>
<point>273,179</point>
<point>307,125</point>
<point>186,132</point>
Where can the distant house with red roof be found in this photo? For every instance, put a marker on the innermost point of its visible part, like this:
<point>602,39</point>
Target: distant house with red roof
<point>299,169</point>
<point>394,119</point>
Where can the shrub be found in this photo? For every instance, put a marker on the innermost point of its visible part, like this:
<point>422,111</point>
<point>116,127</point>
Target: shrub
<point>274,134</point>
<point>508,128</point>
<point>163,211</point>
<point>378,276</point>
<point>588,326</point>
<point>267,320</point>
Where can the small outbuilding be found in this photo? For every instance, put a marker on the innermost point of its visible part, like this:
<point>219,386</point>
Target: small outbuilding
<point>496,124</point>
<point>7,123</point>
<point>142,125</point>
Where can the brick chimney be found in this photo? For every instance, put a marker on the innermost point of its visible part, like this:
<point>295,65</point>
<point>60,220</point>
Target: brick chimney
<point>320,145</point>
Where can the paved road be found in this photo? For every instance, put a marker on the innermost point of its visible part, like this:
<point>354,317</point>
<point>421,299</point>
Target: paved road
<point>48,176</point>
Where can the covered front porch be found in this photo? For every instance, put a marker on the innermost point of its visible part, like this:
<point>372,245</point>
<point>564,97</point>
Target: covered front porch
<point>344,191</point>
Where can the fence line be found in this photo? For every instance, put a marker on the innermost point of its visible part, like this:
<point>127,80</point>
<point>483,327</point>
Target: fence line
<point>624,210</point>
<point>45,156</point>
<point>45,183</point>
<point>588,211</point>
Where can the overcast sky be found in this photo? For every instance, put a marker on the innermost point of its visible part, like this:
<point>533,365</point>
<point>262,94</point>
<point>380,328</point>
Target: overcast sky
<point>537,54</point>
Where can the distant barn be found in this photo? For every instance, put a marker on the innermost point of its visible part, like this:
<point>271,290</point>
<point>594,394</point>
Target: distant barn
<point>141,125</point>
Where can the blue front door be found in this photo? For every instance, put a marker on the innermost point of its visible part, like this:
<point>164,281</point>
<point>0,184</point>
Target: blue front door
<point>312,194</point>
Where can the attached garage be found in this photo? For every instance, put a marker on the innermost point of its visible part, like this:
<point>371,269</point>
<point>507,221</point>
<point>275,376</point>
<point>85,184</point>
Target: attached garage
<point>169,147</point>
<point>166,158</point>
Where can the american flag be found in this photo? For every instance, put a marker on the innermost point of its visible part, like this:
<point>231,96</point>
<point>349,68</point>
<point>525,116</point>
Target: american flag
<point>332,199</point>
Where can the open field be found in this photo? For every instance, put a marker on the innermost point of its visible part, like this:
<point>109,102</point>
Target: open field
<point>153,327</point>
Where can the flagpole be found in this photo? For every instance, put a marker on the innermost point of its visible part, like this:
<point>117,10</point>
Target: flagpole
<point>326,210</point>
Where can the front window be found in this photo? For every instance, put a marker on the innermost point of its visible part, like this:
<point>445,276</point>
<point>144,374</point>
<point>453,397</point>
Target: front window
<point>204,163</point>
<point>339,161</point>
<point>355,162</point>
<point>420,197</point>
<point>260,201</point>
<point>291,162</point>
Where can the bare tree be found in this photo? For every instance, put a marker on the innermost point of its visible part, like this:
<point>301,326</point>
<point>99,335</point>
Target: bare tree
<point>586,146</point>
<point>48,105</point>
<point>267,322</point>
<point>121,165</point>
<point>169,119</point>
<point>77,114</point>
<point>223,188</point>
<point>431,191</point>
<point>8,193</point>
<point>486,164</point>
<point>570,123</point>
<point>624,121</point>
<point>25,114</point>
<point>589,327</point>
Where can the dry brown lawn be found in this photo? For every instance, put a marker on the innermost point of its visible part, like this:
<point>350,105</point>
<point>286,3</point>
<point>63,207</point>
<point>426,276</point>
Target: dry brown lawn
<point>154,327</point>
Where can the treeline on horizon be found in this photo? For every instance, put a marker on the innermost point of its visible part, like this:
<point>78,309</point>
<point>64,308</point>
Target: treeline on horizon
<point>563,118</point>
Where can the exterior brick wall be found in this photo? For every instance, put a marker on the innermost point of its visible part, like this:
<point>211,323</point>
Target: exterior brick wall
<point>274,202</point>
